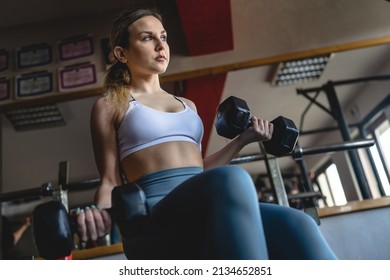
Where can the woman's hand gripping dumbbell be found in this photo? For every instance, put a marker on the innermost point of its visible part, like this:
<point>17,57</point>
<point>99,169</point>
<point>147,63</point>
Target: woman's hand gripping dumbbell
<point>233,118</point>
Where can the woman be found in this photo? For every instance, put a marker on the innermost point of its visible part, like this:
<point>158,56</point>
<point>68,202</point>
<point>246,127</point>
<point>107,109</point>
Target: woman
<point>199,208</point>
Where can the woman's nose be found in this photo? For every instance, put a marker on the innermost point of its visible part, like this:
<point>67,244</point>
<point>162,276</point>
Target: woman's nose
<point>159,45</point>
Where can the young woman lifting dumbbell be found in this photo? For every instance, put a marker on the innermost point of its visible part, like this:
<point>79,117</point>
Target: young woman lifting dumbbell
<point>199,208</point>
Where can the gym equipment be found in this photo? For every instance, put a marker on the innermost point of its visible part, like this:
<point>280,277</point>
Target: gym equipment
<point>297,155</point>
<point>52,230</point>
<point>335,110</point>
<point>45,189</point>
<point>233,117</point>
<point>129,209</point>
<point>51,226</point>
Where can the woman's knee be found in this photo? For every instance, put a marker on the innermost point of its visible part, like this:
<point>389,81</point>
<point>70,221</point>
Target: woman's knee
<point>287,217</point>
<point>231,181</point>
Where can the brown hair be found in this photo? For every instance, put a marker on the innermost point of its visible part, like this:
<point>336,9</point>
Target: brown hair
<point>117,80</point>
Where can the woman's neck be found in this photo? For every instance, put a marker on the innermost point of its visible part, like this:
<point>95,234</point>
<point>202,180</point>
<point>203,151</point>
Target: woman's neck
<point>149,84</point>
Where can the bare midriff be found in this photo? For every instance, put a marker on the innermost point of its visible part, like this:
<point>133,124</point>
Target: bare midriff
<point>161,157</point>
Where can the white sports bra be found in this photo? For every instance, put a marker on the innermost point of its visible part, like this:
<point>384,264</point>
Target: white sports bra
<point>143,127</point>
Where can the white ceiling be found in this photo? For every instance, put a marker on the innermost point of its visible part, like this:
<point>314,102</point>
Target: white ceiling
<point>264,28</point>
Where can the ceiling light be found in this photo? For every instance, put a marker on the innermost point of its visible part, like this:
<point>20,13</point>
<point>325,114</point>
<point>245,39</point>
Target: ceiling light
<point>35,117</point>
<point>299,71</point>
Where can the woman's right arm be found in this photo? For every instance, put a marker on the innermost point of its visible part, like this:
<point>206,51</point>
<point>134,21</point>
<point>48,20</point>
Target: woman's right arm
<point>93,223</point>
<point>103,133</point>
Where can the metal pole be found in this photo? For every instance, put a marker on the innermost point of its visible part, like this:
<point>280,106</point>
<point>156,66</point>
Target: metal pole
<point>344,146</point>
<point>44,190</point>
<point>275,178</point>
<point>372,164</point>
<point>311,209</point>
<point>63,177</point>
<point>346,134</point>
<point>346,82</point>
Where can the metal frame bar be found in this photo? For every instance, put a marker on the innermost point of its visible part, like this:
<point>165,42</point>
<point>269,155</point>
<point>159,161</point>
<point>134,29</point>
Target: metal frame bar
<point>343,146</point>
<point>346,134</point>
<point>337,113</point>
<point>44,190</point>
<point>275,177</point>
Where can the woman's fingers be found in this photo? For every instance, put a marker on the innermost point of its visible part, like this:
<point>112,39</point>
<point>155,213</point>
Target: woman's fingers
<point>80,224</point>
<point>263,128</point>
<point>90,223</point>
<point>107,221</point>
<point>102,221</point>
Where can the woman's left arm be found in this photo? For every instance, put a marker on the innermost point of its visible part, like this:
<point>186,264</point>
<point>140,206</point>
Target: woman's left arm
<point>259,130</point>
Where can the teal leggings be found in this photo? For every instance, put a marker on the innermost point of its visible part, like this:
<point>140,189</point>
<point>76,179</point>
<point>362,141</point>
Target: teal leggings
<point>215,214</point>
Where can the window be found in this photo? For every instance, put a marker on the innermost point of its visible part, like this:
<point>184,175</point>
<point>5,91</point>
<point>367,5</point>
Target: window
<point>380,153</point>
<point>331,187</point>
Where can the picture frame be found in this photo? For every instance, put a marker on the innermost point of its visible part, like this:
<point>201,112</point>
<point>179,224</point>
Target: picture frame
<point>34,55</point>
<point>77,76</point>
<point>4,60</point>
<point>5,88</point>
<point>34,83</point>
<point>76,47</point>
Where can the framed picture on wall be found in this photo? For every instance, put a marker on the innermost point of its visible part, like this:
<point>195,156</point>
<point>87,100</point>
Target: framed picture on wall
<point>34,83</point>
<point>4,60</point>
<point>4,88</point>
<point>77,76</point>
<point>34,55</point>
<point>76,47</point>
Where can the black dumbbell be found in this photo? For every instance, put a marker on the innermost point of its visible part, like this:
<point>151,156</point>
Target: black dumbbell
<point>53,230</point>
<point>233,117</point>
<point>130,210</point>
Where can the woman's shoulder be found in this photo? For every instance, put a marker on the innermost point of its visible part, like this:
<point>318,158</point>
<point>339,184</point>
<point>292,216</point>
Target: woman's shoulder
<point>103,103</point>
<point>188,102</point>
<point>104,109</point>
<point>100,105</point>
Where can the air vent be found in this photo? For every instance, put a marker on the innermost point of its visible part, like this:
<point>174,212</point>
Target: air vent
<point>300,71</point>
<point>37,117</point>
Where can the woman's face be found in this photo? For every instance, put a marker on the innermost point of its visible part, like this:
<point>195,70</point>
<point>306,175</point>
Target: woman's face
<point>148,51</point>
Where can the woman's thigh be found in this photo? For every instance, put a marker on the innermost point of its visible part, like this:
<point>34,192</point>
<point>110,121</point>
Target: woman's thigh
<point>193,216</point>
<point>191,201</point>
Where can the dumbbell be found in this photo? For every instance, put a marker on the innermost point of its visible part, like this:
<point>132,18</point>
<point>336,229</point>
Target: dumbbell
<point>53,227</point>
<point>53,231</point>
<point>233,117</point>
<point>130,210</point>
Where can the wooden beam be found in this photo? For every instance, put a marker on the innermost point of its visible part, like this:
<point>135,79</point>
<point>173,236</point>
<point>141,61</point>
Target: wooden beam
<point>48,99</point>
<point>97,252</point>
<point>354,206</point>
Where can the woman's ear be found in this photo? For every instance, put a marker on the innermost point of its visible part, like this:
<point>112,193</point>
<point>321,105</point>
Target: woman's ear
<point>119,54</point>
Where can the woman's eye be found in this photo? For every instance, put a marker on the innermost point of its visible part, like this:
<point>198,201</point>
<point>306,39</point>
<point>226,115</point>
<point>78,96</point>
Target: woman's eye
<point>146,38</point>
<point>164,38</point>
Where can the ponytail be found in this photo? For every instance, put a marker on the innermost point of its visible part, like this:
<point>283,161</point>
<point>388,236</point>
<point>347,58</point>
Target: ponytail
<point>116,84</point>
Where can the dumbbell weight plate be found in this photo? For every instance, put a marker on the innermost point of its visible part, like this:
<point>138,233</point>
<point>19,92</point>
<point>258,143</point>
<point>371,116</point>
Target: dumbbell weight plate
<point>233,117</point>
<point>284,137</point>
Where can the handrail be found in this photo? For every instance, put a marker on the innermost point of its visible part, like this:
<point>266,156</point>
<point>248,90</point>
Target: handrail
<point>45,189</point>
<point>299,152</point>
